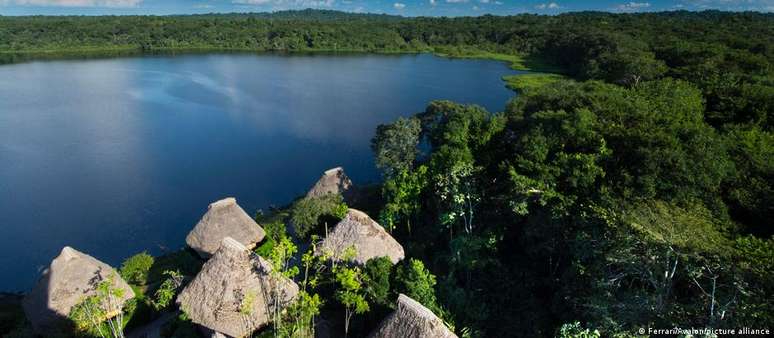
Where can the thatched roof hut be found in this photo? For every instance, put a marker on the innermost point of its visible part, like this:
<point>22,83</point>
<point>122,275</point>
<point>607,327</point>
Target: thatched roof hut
<point>224,218</point>
<point>368,237</point>
<point>333,181</point>
<point>412,320</point>
<point>235,293</point>
<point>72,277</point>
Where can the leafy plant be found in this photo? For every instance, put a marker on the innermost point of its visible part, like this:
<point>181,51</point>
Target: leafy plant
<point>168,289</point>
<point>101,313</point>
<point>415,281</point>
<point>575,330</point>
<point>350,293</point>
<point>307,213</point>
<point>135,269</point>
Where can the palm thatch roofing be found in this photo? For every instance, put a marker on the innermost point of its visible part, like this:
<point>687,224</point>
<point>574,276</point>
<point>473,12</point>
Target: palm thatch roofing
<point>224,218</point>
<point>333,181</point>
<point>72,277</point>
<point>235,292</point>
<point>412,320</point>
<point>368,238</point>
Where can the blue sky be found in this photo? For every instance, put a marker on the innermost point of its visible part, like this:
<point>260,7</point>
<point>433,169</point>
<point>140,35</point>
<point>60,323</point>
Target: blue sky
<point>401,7</point>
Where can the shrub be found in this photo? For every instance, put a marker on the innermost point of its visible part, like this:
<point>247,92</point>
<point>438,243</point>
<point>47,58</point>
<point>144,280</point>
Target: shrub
<point>576,330</point>
<point>376,281</point>
<point>135,269</point>
<point>168,290</point>
<point>415,281</point>
<point>307,213</point>
<point>275,232</point>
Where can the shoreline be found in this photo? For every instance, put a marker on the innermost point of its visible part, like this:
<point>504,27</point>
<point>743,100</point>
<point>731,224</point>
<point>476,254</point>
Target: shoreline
<point>540,73</point>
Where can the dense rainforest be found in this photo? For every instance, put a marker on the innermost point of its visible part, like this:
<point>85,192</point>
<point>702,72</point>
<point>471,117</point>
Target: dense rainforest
<point>636,190</point>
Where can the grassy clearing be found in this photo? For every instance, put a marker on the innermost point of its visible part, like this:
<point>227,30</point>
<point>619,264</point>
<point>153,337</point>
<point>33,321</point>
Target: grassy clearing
<point>522,82</point>
<point>515,61</point>
<point>543,73</point>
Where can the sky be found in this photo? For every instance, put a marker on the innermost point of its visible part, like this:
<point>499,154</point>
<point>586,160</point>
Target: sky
<point>399,7</point>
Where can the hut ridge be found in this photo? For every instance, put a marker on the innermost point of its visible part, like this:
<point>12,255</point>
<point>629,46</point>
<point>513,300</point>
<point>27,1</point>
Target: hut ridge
<point>332,181</point>
<point>224,218</point>
<point>369,239</point>
<point>72,277</point>
<point>235,293</point>
<point>412,320</point>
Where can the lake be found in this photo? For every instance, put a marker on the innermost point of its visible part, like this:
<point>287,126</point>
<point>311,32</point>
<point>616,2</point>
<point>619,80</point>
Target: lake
<point>117,156</point>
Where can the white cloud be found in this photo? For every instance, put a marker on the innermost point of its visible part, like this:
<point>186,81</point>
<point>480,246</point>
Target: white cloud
<point>73,3</point>
<point>456,1</point>
<point>550,5</point>
<point>399,5</point>
<point>632,6</point>
<point>432,2</point>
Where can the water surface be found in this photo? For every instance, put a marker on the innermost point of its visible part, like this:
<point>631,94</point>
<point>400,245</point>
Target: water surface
<point>117,156</point>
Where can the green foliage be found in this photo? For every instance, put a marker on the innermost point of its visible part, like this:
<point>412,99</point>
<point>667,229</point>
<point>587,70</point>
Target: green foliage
<point>402,193</point>
<point>529,81</point>
<point>456,133</point>
<point>299,316</point>
<point>186,261</point>
<point>575,330</point>
<point>280,259</point>
<point>758,254</point>
<point>616,205</point>
<point>307,213</point>
<point>415,281</point>
<point>655,130</point>
<point>757,263</point>
<point>167,290</point>
<point>751,189</point>
<point>275,232</point>
<point>281,255</point>
<point>350,286</point>
<point>376,281</point>
<point>135,269</point>
<point>558,158</point>
<point>692,228</point>
<point>395,146</point>
<point>350,292</point>
<point>101,313</point>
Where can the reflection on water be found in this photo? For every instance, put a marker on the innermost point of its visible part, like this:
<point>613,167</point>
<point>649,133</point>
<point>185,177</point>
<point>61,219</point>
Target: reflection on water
<point>121,155</point>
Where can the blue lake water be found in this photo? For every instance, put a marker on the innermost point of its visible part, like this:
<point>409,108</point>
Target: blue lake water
<point>117,156</point>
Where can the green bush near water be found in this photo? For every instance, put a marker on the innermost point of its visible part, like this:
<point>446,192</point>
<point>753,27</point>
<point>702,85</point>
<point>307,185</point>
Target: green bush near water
<point>307,213</point>
<point>135,269</point>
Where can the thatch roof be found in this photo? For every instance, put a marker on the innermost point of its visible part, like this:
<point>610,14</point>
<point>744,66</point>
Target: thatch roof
<point>235,293</point>
<point>72,277</point>
<point>412,320</point>
<point>224,218</point>
<point>333,181</point>
<point>368,237</point>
